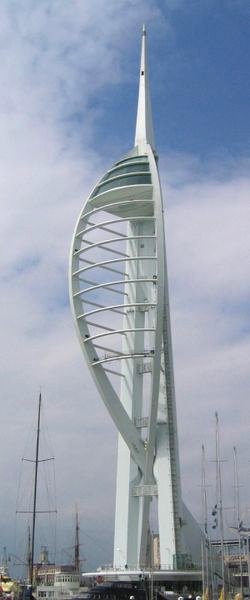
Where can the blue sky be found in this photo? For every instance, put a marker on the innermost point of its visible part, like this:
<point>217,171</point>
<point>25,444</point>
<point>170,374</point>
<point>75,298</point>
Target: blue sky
<point>69,76</point>
<point>201,92</point>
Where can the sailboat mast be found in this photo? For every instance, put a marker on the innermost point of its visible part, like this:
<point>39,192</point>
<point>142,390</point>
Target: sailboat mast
<point>237,510</point>
<point>204,492</point>
<point>35,491</point>
<point>29,555</point>
<point>220,504</point>
<point>77,552</point>
<point>205,541</point>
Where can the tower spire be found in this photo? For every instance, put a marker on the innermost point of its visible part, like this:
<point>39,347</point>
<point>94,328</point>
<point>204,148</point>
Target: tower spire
<point>144,133</point>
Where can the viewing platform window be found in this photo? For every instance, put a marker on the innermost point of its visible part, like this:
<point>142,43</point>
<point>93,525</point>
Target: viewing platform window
<point>127,168</point>
<point>137,159</point>
<point>131,171</point>
<point>134,179</point>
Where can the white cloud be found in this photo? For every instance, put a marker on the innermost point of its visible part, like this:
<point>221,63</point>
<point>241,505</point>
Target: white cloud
<point>208,253</point>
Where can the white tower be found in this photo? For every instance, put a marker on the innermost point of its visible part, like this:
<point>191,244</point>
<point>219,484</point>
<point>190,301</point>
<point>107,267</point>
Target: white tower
<point>119,298</point>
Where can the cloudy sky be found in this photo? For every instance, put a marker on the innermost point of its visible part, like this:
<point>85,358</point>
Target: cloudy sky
<point>68,78</point>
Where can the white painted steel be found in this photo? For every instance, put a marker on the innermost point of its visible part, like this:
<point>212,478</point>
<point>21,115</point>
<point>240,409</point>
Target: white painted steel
<point>143,407</point>
<point>144,132</point>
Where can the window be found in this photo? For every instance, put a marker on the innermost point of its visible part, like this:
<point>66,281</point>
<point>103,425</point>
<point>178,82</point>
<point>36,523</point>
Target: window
<point>137,159</point>
<point>138,179</point>
<point>130,167</point>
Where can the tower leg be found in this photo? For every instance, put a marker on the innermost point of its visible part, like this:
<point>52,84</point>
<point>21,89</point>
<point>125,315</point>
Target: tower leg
<point>144,559</point>
<point>162,471</point>
<point>127,510</point>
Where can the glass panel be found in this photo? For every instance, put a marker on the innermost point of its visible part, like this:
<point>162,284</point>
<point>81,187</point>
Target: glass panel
<point>132,159</point>
<point>128,168</point>
<point>137,179</point>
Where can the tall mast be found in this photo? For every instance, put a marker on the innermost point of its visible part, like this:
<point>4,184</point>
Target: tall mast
<point>77,551</point>
<point>236,489</point>
<point>29,556</point>
<point>204,518</point>
<point>204,492</point>
<point>220,505</point>
<point>144,133</point>
<point>237,511</point>
<point>208,575</point>
<point>35,490</point>
<point>31,538</point>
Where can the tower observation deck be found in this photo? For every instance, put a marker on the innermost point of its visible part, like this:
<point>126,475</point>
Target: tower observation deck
<point>120,303</point>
